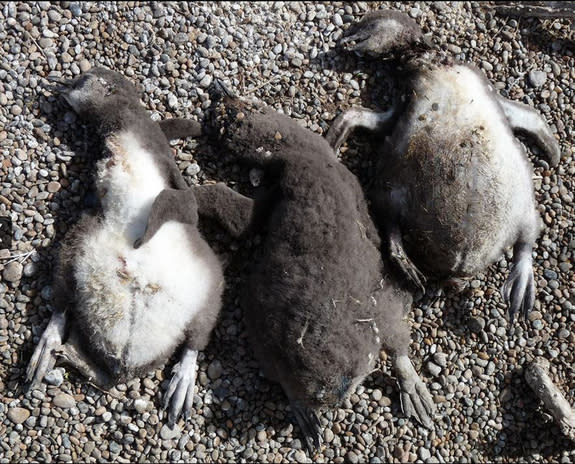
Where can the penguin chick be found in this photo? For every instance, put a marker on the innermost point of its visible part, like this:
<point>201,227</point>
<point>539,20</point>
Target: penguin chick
<point>453,186</point>
<point>127,309</point>
<point>318,301</point>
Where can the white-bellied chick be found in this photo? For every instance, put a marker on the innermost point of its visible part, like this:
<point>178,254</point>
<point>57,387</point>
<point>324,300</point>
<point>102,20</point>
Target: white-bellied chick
<point>123,305</point>
<point>453,186</point>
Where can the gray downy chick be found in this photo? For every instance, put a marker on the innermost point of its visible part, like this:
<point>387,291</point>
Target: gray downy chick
<point>453,187</point>
<point>122,306</point>
<point>318,301</point>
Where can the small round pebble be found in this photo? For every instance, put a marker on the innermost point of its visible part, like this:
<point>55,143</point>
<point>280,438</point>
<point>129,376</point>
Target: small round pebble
<point>215,370</point>
<point>53,186</point>
<point>300,456</point>
<point>433,369</point>
<point>476,324</point>
<point>85,66</point>
<point>140,405</point>
<point>13,272</point>
<point>424,454</point>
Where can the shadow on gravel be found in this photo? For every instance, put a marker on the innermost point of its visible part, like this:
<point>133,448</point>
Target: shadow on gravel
<point>527,432</point>
<point>75,196</point>
<point>379,89</point>
<point>539,35</point>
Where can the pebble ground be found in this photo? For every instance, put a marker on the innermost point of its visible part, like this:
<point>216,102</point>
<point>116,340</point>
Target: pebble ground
<point>283,53</point>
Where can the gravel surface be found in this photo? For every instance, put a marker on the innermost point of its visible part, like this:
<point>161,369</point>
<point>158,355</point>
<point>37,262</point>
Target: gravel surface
<point>283,53</point>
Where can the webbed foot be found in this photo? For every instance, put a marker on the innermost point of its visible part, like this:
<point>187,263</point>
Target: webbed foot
<point>416,400</point>
<point>72,354</point>
<point>43,359</point>
<point>519,289</point>
<point>180,393</point>
<point>400,258</point>
<point>381,32</point>
<point>309,424</point>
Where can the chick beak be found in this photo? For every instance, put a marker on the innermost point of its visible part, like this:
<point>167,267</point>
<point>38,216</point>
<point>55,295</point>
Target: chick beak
<point>59,84</point>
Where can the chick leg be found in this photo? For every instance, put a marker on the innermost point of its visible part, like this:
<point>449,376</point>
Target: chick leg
<point>309,424</point>
<point>180,393</point>
<point>43,358</point>
<point>71,353</point>
<point>519,289</point>
<point>400,258</point>
<point>416,401</point>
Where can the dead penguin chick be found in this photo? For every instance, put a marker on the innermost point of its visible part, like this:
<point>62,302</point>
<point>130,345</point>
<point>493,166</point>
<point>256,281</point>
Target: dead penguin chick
<point>129,309</point>
<point>453,187</point>
<point>318,302</point>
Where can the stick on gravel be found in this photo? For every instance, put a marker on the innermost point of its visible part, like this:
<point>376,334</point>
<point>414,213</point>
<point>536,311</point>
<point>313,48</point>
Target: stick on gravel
<point>537,376</point>
<point>537,9</point>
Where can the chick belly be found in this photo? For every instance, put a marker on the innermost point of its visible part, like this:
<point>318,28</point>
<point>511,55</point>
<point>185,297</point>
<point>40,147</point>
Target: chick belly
<point>459,231</point>
<point>128,320</point>
<point>137,304</point>
<point>457,210</point>
<point>466,182</point>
